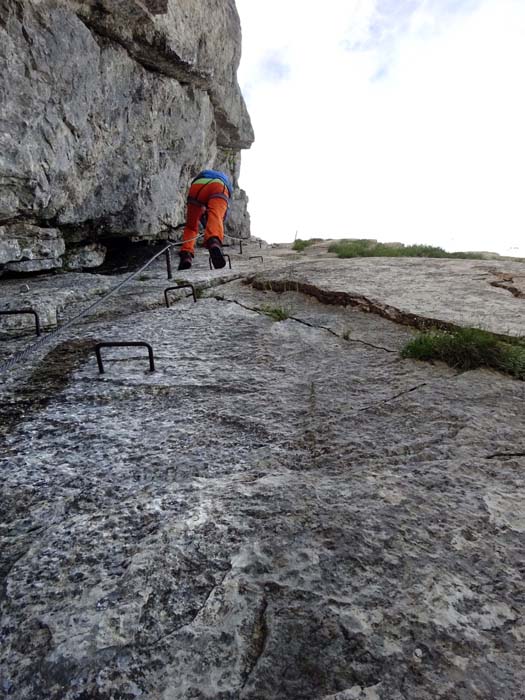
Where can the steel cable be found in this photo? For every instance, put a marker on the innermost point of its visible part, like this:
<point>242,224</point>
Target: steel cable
<point>22,354</point>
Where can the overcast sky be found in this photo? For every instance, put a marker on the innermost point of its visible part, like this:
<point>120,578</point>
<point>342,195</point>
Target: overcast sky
<point>401,120</point>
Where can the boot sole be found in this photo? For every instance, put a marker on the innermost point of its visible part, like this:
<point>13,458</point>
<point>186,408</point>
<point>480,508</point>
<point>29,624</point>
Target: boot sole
<point>217,258</point>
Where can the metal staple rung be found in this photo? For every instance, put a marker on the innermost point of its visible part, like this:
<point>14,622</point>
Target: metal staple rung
<point>256,257</point>
<point>180,286</point>
<point>16,312</point>
<point>27,351</point>
<point>123,345</point>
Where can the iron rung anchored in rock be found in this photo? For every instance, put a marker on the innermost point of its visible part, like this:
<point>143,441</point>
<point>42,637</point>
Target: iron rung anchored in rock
<point>17,312</point>
<point>123,344</point>
<point>180,286</point>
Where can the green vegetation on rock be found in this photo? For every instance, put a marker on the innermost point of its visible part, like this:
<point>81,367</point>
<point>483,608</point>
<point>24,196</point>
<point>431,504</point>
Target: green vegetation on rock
<point>300,244</point>
<point>277,313</point>
<point>370,249</point>
<point>469,348</point>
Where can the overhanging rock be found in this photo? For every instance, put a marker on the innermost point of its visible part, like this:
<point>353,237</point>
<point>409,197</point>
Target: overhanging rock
<point>109,109</point>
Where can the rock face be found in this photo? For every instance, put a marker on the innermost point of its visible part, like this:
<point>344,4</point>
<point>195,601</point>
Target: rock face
<point>109,108</point>
<point>26,248</point>
<point>282,510</point>
<point>421,292</point>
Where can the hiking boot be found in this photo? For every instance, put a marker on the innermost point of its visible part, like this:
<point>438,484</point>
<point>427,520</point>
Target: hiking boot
<point>185,260</point>
<point>215,250</point>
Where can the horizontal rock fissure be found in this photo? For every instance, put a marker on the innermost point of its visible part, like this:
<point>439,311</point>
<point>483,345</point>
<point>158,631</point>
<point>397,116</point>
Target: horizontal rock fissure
<point>355,300</point>
<point>506,454</point>
<point>509,287</point>
<point>178,69</point>
<point>28,219</point>
<point>309,325</point>
<point>393,398</point>
<point>175,69</point>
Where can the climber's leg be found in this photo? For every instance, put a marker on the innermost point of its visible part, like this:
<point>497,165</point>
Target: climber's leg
<point>217,208</point>
<point>194,213</point>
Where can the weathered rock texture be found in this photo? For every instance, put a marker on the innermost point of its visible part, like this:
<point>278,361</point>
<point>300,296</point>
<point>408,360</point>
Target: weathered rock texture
<point>421,292</point>
<point>109,108</point>
<point>282,511</point>
<point>26,248</point>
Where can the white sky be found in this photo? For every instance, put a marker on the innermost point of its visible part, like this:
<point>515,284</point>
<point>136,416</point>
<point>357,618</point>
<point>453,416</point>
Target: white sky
<point>401,120</point>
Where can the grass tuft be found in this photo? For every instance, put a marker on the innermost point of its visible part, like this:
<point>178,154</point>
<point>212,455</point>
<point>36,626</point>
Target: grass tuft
<point>469,348</point>
<point>368,249</point>
<point>277,313</point>
<point>300,244</point>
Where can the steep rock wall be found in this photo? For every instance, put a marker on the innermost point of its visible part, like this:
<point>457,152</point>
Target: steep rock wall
<point>107,110</point>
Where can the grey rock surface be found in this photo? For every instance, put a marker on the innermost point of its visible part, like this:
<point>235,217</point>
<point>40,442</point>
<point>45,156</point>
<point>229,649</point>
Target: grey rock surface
<point>9,246</point>
<point>281,510</point>
<point>238,215</point>
<point>191,42</point>
<point>26,248</point>
<point>109,109</point>
<point>59,297</point>
<point>86,256</point>
<point>416,291</point>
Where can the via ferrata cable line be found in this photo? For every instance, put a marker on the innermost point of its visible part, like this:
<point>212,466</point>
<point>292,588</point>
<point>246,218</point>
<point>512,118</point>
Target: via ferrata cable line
<point>22,354</point>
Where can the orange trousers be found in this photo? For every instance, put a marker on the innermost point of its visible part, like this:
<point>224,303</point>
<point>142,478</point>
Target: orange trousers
<point>204,202</point>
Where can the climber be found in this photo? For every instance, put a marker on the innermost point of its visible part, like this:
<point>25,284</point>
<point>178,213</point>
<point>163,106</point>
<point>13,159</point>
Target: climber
<point>208,200</point>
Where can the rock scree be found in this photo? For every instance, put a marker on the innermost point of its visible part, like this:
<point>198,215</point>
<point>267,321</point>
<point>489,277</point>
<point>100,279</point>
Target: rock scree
<point>282,510</point>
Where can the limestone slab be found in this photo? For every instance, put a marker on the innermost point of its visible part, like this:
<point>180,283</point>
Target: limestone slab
<point>275,512</point>
<point>422,292</point>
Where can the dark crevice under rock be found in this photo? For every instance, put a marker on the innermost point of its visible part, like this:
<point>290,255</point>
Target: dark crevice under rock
<point>509,287</point>
<point>356,300</point>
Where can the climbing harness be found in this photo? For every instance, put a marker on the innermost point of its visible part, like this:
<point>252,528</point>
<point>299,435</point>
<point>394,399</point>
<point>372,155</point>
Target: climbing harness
<point>214,175</point>
<point>196,201</point>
